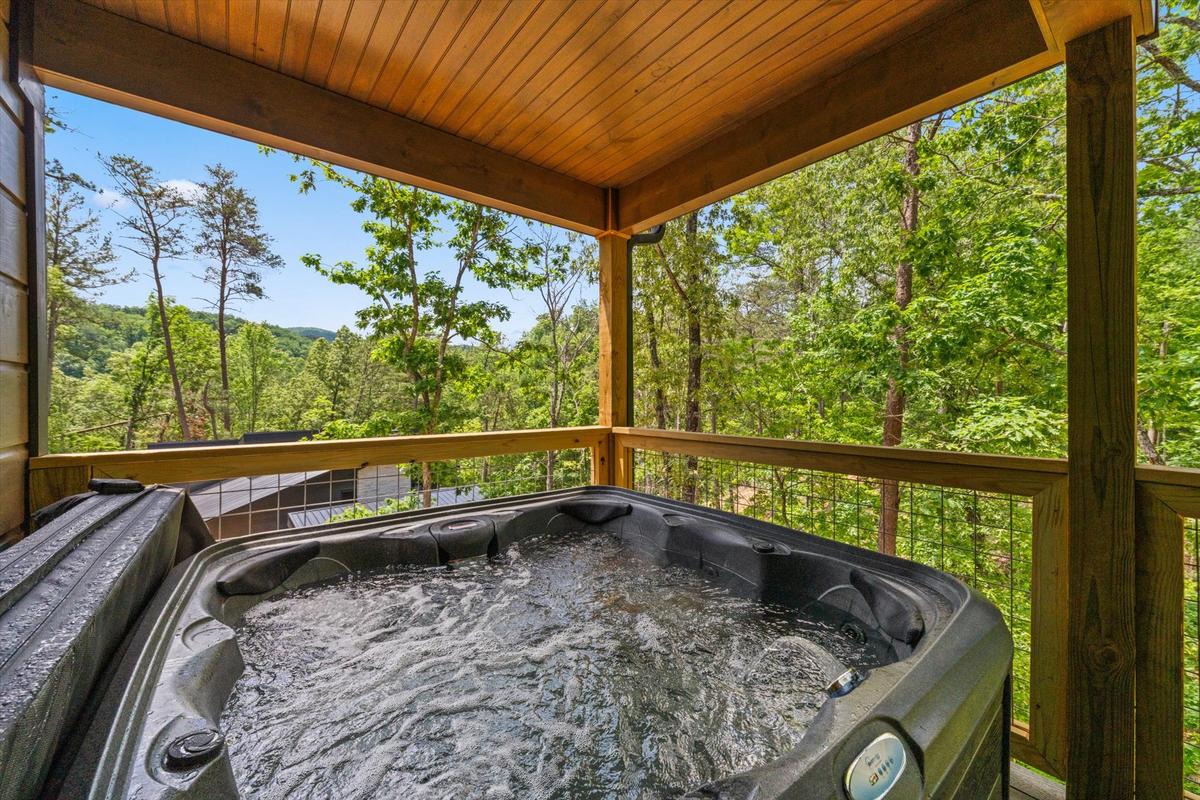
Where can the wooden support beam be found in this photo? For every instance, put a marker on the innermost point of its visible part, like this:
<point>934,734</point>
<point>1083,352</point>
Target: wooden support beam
<point>615,345</point>
<point>933,69</point>
<point>90,51</point>
<point>1101,408</point>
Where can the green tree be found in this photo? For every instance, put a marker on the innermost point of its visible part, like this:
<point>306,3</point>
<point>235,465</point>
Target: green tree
<point>560,270</point>
<point>236,249</point>
<point>416,317</point>
<point>79,255</point>
<point>154,230</point>
<point>255,364</point>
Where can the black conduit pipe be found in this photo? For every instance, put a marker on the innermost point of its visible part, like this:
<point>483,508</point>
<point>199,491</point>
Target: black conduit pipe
<point>652,236</point>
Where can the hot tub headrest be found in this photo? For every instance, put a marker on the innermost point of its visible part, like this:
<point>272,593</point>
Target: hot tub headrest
<point>265,572</point>
<point>897,616</point>
<point>595,512</point>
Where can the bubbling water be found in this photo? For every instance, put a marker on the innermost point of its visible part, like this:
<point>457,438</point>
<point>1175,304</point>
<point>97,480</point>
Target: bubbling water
<point>570,668</point>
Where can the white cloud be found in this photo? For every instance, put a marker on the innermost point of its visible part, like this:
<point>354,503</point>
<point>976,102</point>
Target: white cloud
<point>188,190</point>
<point>107,198</point>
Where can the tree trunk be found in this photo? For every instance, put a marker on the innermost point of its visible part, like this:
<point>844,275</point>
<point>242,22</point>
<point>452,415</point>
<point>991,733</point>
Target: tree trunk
<point>695,361</point>
<point>180,411</point>
<point>222,338</point>
<point>691,418</point>
<point>893,413</point>
<point>660,396</point>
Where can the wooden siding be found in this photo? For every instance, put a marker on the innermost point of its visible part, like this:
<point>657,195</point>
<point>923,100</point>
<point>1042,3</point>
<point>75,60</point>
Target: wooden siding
<point>16,283</point>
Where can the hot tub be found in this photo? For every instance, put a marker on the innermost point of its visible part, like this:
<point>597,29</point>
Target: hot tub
<point>753,660</point>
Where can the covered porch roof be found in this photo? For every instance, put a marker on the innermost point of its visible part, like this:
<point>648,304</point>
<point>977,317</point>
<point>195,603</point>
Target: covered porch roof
<point>540,108</point>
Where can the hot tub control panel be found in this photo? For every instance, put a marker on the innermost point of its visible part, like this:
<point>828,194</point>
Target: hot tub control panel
<point>877,768</point>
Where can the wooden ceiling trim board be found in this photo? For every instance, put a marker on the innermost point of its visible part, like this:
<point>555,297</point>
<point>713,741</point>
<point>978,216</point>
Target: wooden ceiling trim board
<point>486,17</point>
<point>213,29</point>
<point>935,68</point>
<point>183,19</point>
<point>507,28</point>
<point>326,39</point>
<point>86,50</point>
<point>614,67</point>
<point>379,50</point>
<point>356,37</point>
<point>269,33</point>
<point>528,63</point>
<point>417,28</point>
<point>588,50</point>
<point>743,41</point>
<point>297,36</point>
<point>1070,19</point>
<point>764,90</point>
<point>548,21</point>
<point>597,114</point>
<point>441,37</point>
<point>585,110</point>
<point>1039,13</point>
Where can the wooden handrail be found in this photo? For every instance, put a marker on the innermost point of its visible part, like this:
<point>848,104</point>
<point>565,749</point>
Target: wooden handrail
<point>1176,486</point>
<point>981,472</point>
<point>177,465</point>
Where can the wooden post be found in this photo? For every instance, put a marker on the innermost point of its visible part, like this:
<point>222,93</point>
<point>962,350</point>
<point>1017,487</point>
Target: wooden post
<point>1101,378</point>
<point>615,349</point>
<point>1048,657</point>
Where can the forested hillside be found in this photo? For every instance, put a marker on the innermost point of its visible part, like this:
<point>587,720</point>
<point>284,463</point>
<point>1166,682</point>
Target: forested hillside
<point>909,292</point>
<point>108,329</point>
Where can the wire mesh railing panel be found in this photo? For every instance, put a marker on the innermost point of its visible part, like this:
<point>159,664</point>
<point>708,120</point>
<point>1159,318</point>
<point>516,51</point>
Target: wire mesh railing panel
<point>983,538</point>
<point>260,503</point>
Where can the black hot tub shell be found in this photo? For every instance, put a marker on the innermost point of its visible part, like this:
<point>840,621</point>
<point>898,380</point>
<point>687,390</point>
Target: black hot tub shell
<point>931,723</point>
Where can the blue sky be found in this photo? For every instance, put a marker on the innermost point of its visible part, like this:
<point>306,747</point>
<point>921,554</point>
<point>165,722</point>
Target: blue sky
<point>321,222</point>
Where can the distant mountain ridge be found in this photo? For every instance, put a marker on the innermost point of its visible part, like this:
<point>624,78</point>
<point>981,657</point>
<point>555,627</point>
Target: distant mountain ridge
<point>112,328</point>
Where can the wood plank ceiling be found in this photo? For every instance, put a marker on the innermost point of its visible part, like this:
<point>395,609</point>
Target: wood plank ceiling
<point>602,90</point>
<point>539,106</point>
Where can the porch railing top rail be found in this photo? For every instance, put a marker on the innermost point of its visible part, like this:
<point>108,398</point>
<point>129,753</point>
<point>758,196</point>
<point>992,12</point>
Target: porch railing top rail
<point>978,471</point>
<point>175,465</point>
<point>981,471</point>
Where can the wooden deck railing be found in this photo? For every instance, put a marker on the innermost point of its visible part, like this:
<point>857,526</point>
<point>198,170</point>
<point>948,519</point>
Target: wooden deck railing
<point>54,476</point>
<point>1166,496</point>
